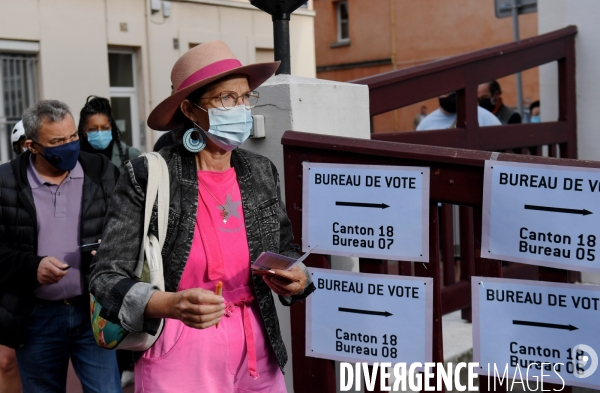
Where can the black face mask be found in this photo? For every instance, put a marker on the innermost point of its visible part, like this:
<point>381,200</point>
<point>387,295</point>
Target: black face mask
<point>486,103</point>
<point>448,103</point>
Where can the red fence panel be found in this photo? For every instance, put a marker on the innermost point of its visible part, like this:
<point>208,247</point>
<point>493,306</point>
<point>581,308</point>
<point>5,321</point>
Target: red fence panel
<point>456,178</point>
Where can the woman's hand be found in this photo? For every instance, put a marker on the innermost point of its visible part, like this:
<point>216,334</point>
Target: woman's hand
<point>198,308</point>
<point>284,287</point>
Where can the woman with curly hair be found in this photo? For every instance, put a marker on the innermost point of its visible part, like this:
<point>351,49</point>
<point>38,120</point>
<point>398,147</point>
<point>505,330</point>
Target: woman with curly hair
<point>98,132</point>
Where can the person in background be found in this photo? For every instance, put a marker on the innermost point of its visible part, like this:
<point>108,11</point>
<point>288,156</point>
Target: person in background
<point>420,116</point>
<point>17,137</point>
<point>99,133</point>
<point>54,198</point>
<point>10,382</point>
<point>445,116</point>
<point>169,138</point>
<point>490,98</point>
<point>534,112</point>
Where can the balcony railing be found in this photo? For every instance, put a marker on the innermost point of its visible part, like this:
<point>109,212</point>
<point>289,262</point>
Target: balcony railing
<point>463,74</point>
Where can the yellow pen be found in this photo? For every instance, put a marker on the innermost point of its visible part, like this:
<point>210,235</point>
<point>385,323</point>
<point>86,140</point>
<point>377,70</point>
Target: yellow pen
<point>219,292</point>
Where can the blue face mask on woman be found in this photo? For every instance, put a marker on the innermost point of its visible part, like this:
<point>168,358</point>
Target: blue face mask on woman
<point>228,128</point>
<point>63,157</point>
<point>535,119</point>
<point>99,139</point>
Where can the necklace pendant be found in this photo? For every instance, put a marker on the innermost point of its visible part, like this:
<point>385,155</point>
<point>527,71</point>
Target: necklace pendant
<point>224,214</point>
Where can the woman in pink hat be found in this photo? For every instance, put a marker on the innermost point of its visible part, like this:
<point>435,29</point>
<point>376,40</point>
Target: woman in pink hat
<point>225,209</point>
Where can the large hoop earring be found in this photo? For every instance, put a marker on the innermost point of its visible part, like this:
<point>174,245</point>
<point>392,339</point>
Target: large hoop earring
<point>194,145</point>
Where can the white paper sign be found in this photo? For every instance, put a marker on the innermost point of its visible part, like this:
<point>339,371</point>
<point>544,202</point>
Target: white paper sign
<point>360,317</point>
<point>542,215</point>
<point>518,322</point>
<point>366,211</point>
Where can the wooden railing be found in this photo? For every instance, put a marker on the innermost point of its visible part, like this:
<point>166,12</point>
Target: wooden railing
<point>456,179</point>
<point>463,74</point>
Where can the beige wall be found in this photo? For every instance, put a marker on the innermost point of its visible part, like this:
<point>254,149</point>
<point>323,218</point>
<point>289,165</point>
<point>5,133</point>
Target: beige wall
<point>75,36</point>
<point>556,14</point>
<point>72,56</point>
<point>72,60</point>
<point>22,22</point>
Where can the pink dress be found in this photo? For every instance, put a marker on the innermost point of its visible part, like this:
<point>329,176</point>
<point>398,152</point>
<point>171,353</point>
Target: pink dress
<point>210,360</point>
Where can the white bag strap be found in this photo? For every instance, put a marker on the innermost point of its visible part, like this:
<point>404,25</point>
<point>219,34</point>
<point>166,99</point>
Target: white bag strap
<point>151,248</point>
<point>158,176</point>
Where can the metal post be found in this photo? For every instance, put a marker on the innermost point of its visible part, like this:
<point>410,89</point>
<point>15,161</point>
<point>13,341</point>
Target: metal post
<point>280,10</point>
<point>515,17</point>
<point>281,34</point>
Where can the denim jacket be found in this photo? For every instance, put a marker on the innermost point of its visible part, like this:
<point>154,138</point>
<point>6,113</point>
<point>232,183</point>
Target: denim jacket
<point>113,282</point>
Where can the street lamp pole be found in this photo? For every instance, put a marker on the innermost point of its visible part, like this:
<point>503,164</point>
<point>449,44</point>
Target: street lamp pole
<point>515,18</point>
<point>280,12</point>
<point>281,43</point>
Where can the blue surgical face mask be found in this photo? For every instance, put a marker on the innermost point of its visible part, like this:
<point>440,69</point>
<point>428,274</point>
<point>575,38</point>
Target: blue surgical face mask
<point>63,157</point>
<point>228,128</point>
<point>99,139</point>
<point>535,119</point>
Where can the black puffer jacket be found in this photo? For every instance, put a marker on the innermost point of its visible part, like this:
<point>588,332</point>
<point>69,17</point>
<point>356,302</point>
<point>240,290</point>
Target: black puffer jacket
<point>18,235</point>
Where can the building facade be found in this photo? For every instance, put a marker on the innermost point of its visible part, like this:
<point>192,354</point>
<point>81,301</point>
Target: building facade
<point>357,38</point>
<point>124,49</point>
<point>554,15</point>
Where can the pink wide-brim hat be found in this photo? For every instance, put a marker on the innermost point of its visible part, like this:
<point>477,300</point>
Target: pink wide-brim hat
<point>198,67</point>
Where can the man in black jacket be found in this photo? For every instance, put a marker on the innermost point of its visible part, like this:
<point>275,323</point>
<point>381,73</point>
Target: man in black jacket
<point>53,199</point>
<point>490,98</point>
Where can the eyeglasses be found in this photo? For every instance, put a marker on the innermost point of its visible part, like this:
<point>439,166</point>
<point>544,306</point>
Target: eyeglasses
<point>229,99</point>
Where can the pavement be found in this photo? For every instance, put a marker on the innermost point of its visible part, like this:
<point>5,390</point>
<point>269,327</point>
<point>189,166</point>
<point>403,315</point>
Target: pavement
<point>458,338</point>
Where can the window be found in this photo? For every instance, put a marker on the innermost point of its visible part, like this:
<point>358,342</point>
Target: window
<point>18,91</point>
<point>264,55</point>
<point>343,32</point>
<point>124,95</point>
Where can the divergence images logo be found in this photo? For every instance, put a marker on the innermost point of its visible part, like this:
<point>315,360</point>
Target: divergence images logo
<point>583,354</point>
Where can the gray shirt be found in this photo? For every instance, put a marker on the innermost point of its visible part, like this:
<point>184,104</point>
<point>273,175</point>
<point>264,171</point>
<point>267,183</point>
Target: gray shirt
<point>58,211</point>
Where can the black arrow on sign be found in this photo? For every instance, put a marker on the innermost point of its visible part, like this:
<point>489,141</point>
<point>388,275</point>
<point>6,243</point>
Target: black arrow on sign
<point>357,311</point>
<point>545,325</point>
<point>583,212</point>
<point>359,204</point>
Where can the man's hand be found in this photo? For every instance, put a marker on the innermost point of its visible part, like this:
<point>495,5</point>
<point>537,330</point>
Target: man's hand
<point>50,271</point>
<point>198,308</point>
<point>284,287</point>
<point>94,251</point>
